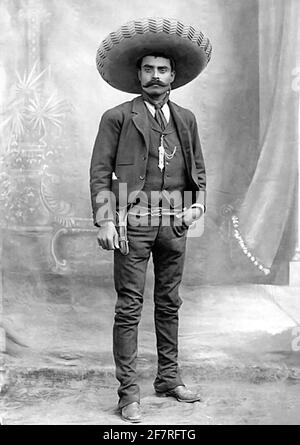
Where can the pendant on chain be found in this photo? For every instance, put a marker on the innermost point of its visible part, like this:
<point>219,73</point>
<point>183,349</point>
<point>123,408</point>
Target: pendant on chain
<point>162,154</point>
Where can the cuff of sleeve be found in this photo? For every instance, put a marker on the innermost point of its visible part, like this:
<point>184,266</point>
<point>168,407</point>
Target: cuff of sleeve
<point>102,221</point>
<point>200,206</point>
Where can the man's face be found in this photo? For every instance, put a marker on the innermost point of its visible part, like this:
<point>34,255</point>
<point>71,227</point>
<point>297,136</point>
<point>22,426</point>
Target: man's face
<point>156,75</point>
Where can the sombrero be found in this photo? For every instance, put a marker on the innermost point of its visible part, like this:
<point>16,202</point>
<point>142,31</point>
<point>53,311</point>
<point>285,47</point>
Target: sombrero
<point>119,52</point>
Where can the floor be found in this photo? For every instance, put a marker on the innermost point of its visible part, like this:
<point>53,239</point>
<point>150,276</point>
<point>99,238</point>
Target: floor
<point>239,345</point>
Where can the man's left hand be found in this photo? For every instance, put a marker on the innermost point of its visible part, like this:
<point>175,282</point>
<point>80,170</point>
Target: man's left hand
<point>190,215</point>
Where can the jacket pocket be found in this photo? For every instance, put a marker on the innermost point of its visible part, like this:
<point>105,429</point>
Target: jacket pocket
<point>179,230</point>
<point>124,162</point>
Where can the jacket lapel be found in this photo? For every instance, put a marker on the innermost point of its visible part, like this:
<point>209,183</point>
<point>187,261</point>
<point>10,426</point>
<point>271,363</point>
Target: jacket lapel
<point>140,119</point>
<point>183,134</point>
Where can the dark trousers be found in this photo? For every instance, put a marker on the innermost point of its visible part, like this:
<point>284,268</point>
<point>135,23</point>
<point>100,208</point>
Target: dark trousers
<point>167,245</point>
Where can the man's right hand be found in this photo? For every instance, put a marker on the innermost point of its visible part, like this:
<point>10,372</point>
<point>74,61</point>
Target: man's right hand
<point>108,237</point>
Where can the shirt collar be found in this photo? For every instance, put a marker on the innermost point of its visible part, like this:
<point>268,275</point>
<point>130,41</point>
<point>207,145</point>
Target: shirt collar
<point>165,109</point>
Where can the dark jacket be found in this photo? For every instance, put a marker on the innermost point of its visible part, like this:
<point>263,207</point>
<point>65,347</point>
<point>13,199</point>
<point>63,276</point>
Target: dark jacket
<point>121,152</point>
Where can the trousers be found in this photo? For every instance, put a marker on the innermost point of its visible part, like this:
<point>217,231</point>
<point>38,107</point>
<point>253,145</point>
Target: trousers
<point>167,244</point>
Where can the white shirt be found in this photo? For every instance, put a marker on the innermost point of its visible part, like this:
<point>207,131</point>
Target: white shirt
<point>165,109</point>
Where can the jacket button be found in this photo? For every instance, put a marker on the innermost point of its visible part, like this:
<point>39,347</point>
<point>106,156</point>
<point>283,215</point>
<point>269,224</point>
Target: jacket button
<point>142,177</point>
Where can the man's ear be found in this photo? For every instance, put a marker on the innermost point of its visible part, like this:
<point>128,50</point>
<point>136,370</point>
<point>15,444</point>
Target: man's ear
<point>173,75</point>
<point>139,75</point>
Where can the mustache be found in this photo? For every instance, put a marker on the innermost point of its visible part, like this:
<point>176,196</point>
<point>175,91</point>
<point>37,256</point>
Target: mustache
<point>155,82</point>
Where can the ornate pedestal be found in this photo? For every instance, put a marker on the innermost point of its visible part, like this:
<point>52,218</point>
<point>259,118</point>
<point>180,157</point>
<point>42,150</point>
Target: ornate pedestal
<point>38,135</point>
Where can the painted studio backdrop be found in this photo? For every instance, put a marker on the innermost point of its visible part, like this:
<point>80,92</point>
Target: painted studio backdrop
<point>51,102</point>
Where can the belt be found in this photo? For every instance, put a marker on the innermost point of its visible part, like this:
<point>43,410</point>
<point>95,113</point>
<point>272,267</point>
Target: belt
<point>156,211</point>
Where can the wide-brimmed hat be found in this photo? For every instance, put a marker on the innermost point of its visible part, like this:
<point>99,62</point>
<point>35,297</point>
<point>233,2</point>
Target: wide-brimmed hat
<point>119,52</point>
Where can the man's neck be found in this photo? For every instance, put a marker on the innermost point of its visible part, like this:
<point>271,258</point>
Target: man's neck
<point>160,99</point>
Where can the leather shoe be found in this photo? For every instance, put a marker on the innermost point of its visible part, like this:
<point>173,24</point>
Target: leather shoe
<point>132,412</point>
<point>182,394</point>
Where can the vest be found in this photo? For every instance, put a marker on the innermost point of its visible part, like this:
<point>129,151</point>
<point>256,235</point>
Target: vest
<point>173,177</point>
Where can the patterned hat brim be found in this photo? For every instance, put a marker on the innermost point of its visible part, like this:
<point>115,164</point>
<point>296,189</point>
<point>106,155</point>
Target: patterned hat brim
<point>118,54</point>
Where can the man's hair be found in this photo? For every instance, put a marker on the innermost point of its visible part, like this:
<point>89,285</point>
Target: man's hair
<point>172,63</point>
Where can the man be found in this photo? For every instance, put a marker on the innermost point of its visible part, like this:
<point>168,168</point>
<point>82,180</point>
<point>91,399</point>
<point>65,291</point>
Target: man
<point>147,152</point>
